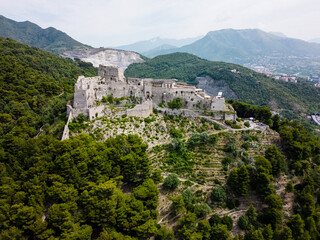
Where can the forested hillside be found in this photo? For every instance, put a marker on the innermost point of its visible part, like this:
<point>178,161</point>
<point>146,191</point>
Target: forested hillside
<point>49,39</point>
<point>34,88</point>
<point>290,99</point>
<point>232,184</point>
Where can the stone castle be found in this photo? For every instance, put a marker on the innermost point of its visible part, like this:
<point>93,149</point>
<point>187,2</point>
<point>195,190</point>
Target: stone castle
<point>147,93</point>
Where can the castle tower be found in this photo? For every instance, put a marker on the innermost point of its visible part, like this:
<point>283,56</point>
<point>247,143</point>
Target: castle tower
<point>111,73</point>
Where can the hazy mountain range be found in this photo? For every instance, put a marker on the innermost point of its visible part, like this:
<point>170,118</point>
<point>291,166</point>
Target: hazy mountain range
<point>159,44</point>
<point>315,40</point>
<point>248,47</point>
<point>240,46</point>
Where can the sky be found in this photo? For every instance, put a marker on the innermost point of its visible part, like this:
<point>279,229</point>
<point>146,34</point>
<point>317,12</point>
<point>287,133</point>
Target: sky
<point>106,23</point>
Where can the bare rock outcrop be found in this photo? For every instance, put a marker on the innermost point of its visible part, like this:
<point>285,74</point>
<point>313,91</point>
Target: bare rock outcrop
<point>106,57</point>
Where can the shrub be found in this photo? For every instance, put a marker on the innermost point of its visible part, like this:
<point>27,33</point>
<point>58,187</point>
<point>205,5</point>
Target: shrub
<point>110,98</point>
<point>175,103</point>
<point>226,161</point>
<point>217,181</point>
<point>215,219</point>
<point>81,118</point>
<point>230,203</point>
<point>245,145</point>
<point>217,127</point>
<point>171,182</point>
<point>188,183</point>
<point>290,187</point>
<point>247,124</point>
<point>175,133</point>
<point>228,122</point>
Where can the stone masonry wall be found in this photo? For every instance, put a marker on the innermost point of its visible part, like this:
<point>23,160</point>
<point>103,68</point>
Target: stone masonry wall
<point>141,110</point>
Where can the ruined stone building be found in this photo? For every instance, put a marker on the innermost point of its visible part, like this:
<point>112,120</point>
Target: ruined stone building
<point>148,93</point>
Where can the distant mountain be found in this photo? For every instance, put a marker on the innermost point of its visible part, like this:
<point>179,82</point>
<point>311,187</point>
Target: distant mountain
<point>49,39</point>
<point>105,56</point>
<point>255,47</point>
<point>315,40</point>
<point>147,45</point>
<point>240,46</point>
<point>279,34</point>
<point>154,52</point>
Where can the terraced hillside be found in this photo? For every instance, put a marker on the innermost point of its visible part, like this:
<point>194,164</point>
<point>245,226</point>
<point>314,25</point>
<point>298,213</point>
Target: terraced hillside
<point>206,161</point>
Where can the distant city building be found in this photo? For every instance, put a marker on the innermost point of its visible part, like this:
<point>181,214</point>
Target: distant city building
<point>285,78</point>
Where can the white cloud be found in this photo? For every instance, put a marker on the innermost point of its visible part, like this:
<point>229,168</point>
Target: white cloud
<point>116,22</point>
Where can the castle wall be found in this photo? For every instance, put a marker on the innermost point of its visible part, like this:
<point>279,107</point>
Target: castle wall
<point>96,112</point>
<point>111,73</point>
<point>141,110</point>
<point>80,99</point>
<point>218,104</point>
<point>66,131</point>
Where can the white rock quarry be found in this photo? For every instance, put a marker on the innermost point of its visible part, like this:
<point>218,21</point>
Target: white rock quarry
<point>106,57</point>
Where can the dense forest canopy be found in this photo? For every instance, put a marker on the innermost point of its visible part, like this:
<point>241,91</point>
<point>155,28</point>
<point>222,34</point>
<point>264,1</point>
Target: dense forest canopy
<point>84,189</point>
<point>31,81</point>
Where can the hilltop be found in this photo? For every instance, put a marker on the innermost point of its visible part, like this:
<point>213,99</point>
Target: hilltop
<point>49,39</point>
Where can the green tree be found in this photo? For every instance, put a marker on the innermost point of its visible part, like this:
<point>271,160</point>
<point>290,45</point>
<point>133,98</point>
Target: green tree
<point>267,232</point>
<point>171,182</point>
<point>219,232</point>
<point>218,194</point>
<point>202,210</point>
<point>186,228</point>
<point>243,222</point>
<point>178,205</point>
<point>289,187</point>
<point>226,220</point>
<point>286,234</point>
<point>276,159</point>
<point>148,193</point>
<point>164,234</point>
<point>204,229</point>
<point>188,197</point>
<point>239,180</point>
<point>214,219</point>
<point>252,215</point>
<point>296,225</point>
<point>274,213</point>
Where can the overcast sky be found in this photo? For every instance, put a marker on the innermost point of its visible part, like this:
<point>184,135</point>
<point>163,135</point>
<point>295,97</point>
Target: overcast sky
<point>117,22</point>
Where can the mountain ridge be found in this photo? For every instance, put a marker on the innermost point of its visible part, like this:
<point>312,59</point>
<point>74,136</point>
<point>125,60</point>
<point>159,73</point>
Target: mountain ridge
<point>251,47</point>
<point>154,43</point>
<point>49,39</point>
